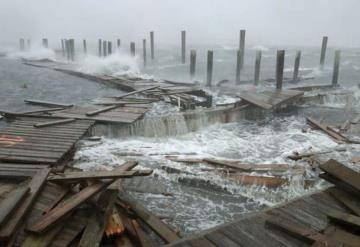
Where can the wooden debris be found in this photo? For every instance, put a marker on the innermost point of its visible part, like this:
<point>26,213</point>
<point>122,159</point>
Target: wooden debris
<point>299,156</point>
<point>336,136</point>
<point>345,126</point>
<point>356,120</point>
<point>342,236</point>
<point>349,201</point>
<point>144,240</point>
<point>11,202</point>
<point>105,109</point>
<point>114,225</point>
<point>57,122</point>
<point>43,240</point>
<point>355,160</point>
<point>46,103</point>
<point>135,92</point>
<point>344,218</point>
<point>244,179</point>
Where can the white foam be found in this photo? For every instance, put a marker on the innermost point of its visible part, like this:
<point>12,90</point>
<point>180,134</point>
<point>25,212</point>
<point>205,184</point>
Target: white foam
<point>35,53</point>
<point>261,48</point>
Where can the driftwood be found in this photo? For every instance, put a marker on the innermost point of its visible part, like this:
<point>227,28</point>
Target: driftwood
<point>298,156</point>
<point>335,135</point>
<point>135,92</point>
<point>271,182</point>
<point>47,103</point>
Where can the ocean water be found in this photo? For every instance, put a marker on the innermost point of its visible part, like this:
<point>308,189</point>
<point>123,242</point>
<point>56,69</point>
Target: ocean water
<point>200,198</point>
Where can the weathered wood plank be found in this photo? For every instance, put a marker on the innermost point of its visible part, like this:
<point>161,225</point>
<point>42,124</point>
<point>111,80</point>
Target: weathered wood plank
<point>46,103</point>
<point>11,202</point>
<point>95,112</point>
<point>324,128</point>
<point>351,202</point>
<point>52,123</point>
<point>344,218</point>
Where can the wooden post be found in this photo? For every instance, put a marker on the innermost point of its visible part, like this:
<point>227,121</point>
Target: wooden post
<point>152,45</point>
<point>72,49</point>
<point>210,56</point>
<point>279,68</point>
<point>109,46</point>
<point>45,43</point>
<point>68,52</point>
<point>22,44</point>
<point>63,50</point>
<point>183,46</point>
<point>335,76</point>
<point>104,48</point>
<point>144,51</point>
<point>323,52</point>
<point>100,48</point>
<point>257,67</point>
<point>132,49</point>
<point>238,67</point>
<point>28,44</point>
<point>85,46</point>
<point>192,64</point>
<point>296,66</point>
<point>118,43</point>
<point>242,47</point>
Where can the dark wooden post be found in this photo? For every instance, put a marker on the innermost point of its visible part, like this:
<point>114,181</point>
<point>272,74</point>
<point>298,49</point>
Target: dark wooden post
<point>335,76</point>
<point>109,46</point>
<point>118,43</point>
<point>22,44</point>
<point>238,67</point>
<point>45,43</point>
<point>84,46</point>
<point>68,52</point>
<point>257,67</point>
<point>210,56</point>
<point>144,51</point>
<point>296,66</point>
<point>323,52</point>
<point>132,49</point>
<point>72,49</point>
<point>63,50</point>
<point>104,48</point>
<point>242,47</point>
<point>29,44</point>
<point>100,47</point>
<point>279,68</point>
<point>192,64</point>
<point>152,44</point>
<point>183,46</point>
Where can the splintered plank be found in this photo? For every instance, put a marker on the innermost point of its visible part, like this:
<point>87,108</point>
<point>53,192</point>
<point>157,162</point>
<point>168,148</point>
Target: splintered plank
<point>46,103</point>
<point>351,202</point>
<point>344,218</point>
<point>9,204</point>
<point>342,173</point>
<point>76,176</point>
<point>94,230</point>
<point>157,225</point>
<point>271,182</point>
<point>334,135</point>
<point>93,113</point>
<point>52,123</point>
<point>35,185</point>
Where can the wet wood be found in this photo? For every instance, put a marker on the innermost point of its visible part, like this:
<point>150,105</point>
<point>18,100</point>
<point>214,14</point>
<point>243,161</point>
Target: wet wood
<point>145,241</point>
<point>105,109</point>
<point>11,202</point>
<point>342,236</point>
<point>272,182</point>
<point>46,103</point>
<point>324,128</point>
<point>114,226</point>
<point>345,218</point>
<point>349,201</point>
<point>65,121</point>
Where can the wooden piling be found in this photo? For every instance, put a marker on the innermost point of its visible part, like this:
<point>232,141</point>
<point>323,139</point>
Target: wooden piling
<point>183,46</point>
<point>242,47</point>
<point>29,44</point>
<point>72,49</point>
<point>323,51</point>
<point>118,42</point>
<point>100,47</point>
<point>104,48</point>
<point>63,50</point>
<point>152,44</point>
<point>84,46</point>
<point>67,47</point>
<point>279,68</point>
<point>109,46</point>
<point>257,67</point>
<point>297,65</point>
<point>45,43</point>
<point>335,76</point>
<point>132,49</point>
<point>210,56</point>
<point>22,44</point>
<point>238,67</point>
<point>144,51</point>
<point>192,64</point>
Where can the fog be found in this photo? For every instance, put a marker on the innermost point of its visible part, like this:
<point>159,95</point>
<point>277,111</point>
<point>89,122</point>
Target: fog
<point>268,22</point>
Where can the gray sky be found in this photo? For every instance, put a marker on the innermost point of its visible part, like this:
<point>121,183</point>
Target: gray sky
<point>268,22</point>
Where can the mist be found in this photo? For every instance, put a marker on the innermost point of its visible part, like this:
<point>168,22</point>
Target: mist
<point>268,22</point>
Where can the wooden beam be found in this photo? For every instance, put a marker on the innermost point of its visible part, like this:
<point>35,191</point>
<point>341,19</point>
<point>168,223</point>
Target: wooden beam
<point>46,103</point>
<point>52,123</point>
<point>135,92</point>
<point>105,109</point>
<point>344,218</point>
<point>324,128</point>
<point>11,202</point>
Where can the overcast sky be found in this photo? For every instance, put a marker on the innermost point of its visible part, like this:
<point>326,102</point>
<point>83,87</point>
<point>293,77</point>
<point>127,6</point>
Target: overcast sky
<point>268,22</point>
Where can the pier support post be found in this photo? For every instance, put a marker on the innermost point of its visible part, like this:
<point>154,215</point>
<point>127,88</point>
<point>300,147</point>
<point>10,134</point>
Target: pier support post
<point>67,47</point>
<point>100,47</point>
<point>45,43</point>
<point>335,76</point>
<point>296,66</point>
<point>109,46</point>
<point>242,47</point>
<point>72,49</point>
<point>104,48</point>
<point>28,44</point>
<point>323,52</point>
<point>152,45</point>
<point>63,50</point>
<point>279,68</point>
<point>118,42</point>
<point>144,51</point>
<point>209,71</point>
<point>192,64</point>
<point>238,67</point>
<point>257,67</point>
<point>183,46</point>
<point>22,44</point>
<point>85,46</point>
<point>132,49</point>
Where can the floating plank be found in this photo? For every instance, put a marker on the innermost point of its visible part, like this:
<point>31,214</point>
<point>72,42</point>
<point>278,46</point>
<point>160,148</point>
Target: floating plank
<point>324,128</point>
<point>40,125</point>
<point>71,176</point>
<point>135,92</point>
<point>105,109</point>
<point>158,226</point>
<point>35,185</point>
<point>46,103</point>
<point>344,218</point>
<point>11,202</point>
<point>244,179</point>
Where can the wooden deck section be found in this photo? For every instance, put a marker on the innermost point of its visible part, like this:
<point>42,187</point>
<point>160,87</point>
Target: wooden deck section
<point>21,142</point>
<point>271,99</point>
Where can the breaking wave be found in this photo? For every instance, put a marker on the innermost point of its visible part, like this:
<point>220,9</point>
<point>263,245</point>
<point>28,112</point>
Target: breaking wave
<point>35,53</point>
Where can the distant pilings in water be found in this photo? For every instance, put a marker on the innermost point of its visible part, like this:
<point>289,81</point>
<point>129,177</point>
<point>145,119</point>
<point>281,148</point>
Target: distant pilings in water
<point>257,67</point>
<point>280,58</point>
<point>63,50</point>
<point>183,46</point>
<point>144,52</point>
<point>84,46</point>
<point>118,42</point>
<point>152,45</point>
<point>100,48</point>
<point>296,66</point>
<point>323,51</point>
<point>238,67</point>
<point>335,76</point>
<point>242,47</point>
<point>104,48</point>
<point>109,46</point>
<point>45,43</point>
<point>22,44</point>
<point>209,71</point>
<point>69,45</point>
<point>192,64</point>
<point>132,49</point>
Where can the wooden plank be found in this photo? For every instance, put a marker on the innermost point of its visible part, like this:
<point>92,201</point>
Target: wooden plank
<point>16,173</point>
<point>43,240</point>
<point>343,173</point>
<point>219,239</point>
<point>344,218</point>
<point>11,202</point>
<point>58,122</point>
<point>342,236</point>
<point>324,128</point>
<point>95,227</point>
<point>349,201</point>
<point>244,179</point>
<point>96,112</point>
<point>255,99</point>
<point>35,185</point>
<point>71,176</point>
<point>144,239</point>
<point>46,103</point>
<point>135,92</point>
<point>157,225</point>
